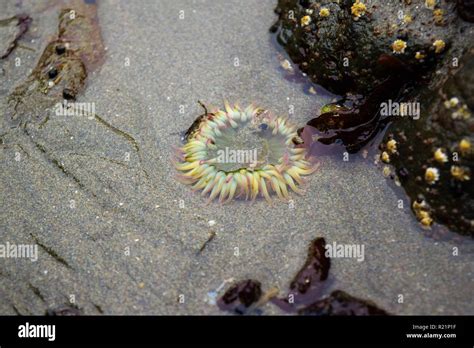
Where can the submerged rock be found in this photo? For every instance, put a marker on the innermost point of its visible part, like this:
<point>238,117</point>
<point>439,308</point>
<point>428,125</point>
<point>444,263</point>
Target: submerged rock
<point>62,68</point>
<point>355,120</point>
<point>341,303</point>
<point>309,283</point>
<point>64,310</point>
<point>433,155</point>
<point>241,296</point>
<point>396,53</point>
<point>305,292</point>
<point>466,9</point>
<point>357,49</point>
<point>341,51</point>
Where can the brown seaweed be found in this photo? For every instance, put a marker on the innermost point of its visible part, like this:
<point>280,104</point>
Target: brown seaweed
<point>353,127</point>
<point>305,295</point>
<point>341,303</point>
<point>308,283</point>
<point>241,296</point>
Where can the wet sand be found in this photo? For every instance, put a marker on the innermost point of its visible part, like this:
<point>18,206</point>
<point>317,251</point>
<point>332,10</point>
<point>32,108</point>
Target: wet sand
<point>124,237</point>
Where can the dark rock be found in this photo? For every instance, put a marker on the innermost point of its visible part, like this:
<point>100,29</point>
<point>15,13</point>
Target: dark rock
<point>309,283</point>
<point>341,52</point>
<point>240,296</point>
<point>341,303</point>
<point>315,269</point>
<point>305,291</point>
<point>466,9</point>
<point>449,200</point>
<point>64,310</point>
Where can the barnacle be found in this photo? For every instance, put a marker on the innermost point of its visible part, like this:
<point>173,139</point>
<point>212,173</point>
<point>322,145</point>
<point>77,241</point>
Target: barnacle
<point>440,156</point>
<point>398,46</point>
<point>430,4</point>
<point>460,173</point>
<point>465,146</point>
<point>439,46</point>
<point>392,146</point>
<point>431,175</point>
<point>451,103</point>
<point>419,55</point>
<point>217,157</point>
<point>438,16</point>
<point>422,212</point>
<point>324,12</point>
<point>305,20</point>
<point>461,113</point>
<point>358,9</point>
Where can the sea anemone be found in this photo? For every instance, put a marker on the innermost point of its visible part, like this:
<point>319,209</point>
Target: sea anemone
<point>242,153</point>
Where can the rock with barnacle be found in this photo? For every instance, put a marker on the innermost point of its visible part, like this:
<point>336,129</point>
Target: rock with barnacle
<point>242,153</point>
<point>435,150</point>
<point>341,49</point>
<point>369,52</point>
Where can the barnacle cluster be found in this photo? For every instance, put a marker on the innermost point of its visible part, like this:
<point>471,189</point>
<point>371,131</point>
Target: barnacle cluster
<point>422,212</point>
<point>461,111</point>
<point>207,161</point>
<point>358,9</point>
<point>391,148</point>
